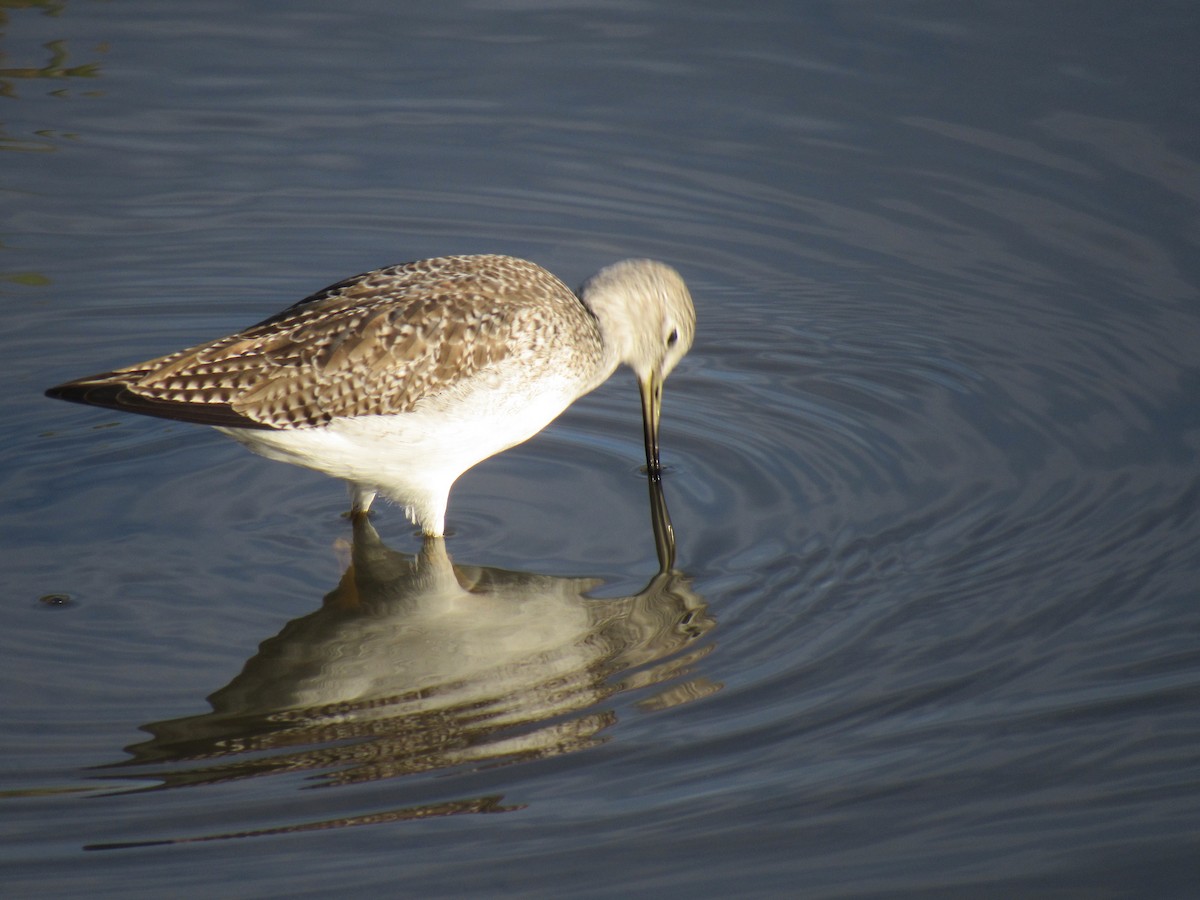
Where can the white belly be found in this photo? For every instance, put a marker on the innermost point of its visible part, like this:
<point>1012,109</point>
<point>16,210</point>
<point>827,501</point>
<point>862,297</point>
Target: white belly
<point>414,458</point>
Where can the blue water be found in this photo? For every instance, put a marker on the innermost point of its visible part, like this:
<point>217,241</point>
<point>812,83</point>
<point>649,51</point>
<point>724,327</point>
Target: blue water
<point>933,459</point>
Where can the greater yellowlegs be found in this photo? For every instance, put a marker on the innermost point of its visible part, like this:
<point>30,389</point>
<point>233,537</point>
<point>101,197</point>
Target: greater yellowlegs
<point>401,379</point>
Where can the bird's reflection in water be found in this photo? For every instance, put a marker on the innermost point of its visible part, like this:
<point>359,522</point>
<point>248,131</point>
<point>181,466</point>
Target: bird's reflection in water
<point>415,663</point>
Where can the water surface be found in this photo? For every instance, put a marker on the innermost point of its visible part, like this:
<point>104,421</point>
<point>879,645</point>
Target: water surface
<point>932,460</point>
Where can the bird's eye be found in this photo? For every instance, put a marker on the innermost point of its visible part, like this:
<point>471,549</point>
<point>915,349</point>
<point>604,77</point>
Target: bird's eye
<point>673,337</point>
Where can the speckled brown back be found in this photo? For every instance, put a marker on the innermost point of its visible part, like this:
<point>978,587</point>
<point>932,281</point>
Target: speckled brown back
<point>378,343</point>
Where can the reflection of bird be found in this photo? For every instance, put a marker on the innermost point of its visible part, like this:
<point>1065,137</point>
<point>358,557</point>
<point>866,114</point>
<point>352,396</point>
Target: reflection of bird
<point>415,663</point>
<point>401,379</point>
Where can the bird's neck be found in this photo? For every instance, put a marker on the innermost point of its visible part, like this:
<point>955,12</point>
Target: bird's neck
<point>616,334</point>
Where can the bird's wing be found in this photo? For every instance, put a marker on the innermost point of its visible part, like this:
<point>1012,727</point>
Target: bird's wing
<point>378,343</point>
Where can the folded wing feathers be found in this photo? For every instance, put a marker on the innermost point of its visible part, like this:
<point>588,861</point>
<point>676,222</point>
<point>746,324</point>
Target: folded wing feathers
<point>376,344</point>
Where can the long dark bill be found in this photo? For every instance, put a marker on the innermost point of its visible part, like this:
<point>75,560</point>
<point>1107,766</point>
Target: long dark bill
<point>660,519</point>
<point>651,389</point>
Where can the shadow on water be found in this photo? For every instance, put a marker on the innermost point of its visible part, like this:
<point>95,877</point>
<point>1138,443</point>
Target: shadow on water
<point>415,663</point>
